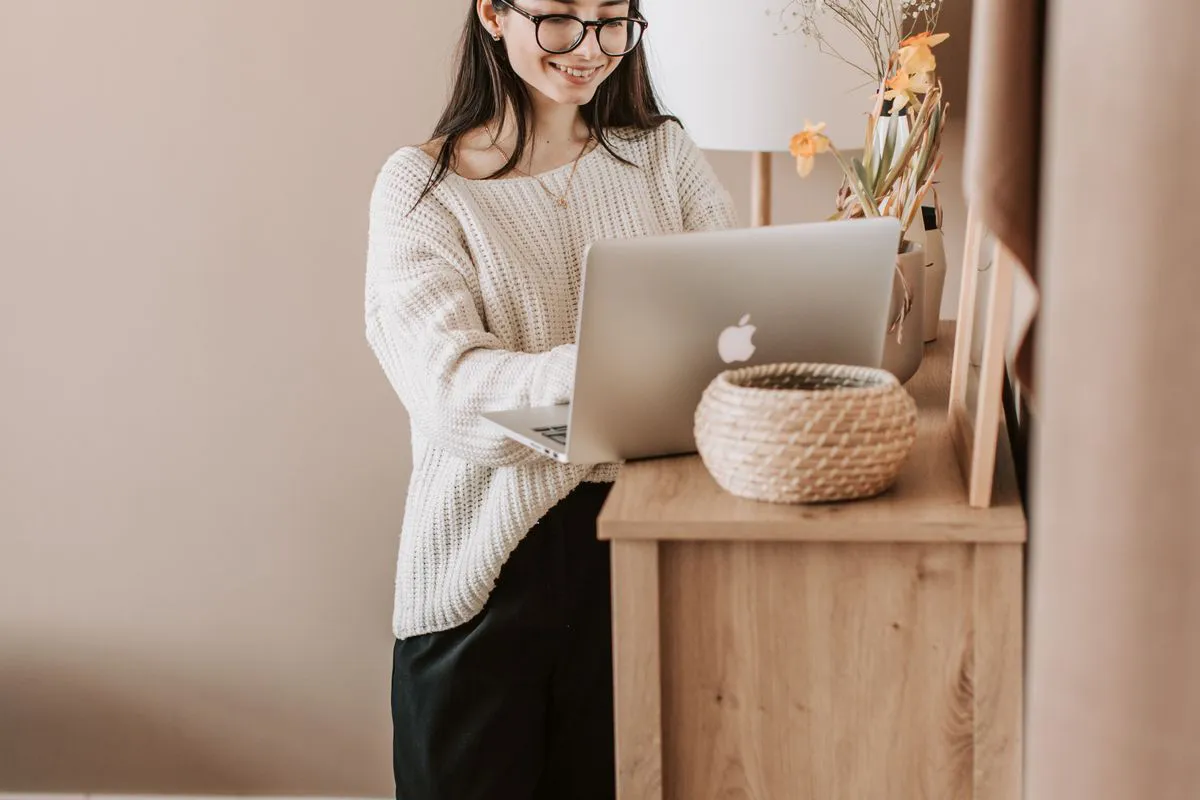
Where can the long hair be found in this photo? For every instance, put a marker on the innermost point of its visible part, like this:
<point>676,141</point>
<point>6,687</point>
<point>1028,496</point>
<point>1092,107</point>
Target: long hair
<point>486,87</point>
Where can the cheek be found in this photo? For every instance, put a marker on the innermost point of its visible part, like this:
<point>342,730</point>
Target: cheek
<point>528,60</point>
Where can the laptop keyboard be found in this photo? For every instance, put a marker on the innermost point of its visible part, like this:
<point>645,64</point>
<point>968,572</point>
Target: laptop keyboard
<point>555,433</point>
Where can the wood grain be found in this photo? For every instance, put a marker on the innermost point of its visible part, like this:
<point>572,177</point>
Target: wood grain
<point>961,358</point>
<point>677,499</point>
<point>991,381</point>
<point>637,670</point>
<point>823,671</point>
<point>974,421</point>
<point>850,651</point>
<point>999,659</point>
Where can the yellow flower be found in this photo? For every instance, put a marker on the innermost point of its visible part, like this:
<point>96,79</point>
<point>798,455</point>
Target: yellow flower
<point>925,39</point>
<point>900,91</point>
<point>916,52</point>
<point>920,82</point>
<point>806,145</point>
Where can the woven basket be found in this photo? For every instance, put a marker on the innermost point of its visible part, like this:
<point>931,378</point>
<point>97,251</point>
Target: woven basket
<point>805,433</point>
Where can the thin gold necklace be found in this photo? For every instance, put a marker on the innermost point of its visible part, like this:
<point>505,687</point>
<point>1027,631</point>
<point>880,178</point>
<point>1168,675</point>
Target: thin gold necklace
<point>560,199</point>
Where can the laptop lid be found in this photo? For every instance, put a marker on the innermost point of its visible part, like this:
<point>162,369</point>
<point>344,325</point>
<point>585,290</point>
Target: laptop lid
<point>661,316</point>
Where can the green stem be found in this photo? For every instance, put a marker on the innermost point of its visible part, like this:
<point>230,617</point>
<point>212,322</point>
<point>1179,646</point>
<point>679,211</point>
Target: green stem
<point>867,202</point>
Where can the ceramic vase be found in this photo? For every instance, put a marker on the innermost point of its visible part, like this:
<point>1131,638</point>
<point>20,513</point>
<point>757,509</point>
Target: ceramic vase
<point>904,345</point>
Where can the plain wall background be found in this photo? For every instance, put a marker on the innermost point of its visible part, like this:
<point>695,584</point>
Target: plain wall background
<point>202,468</point>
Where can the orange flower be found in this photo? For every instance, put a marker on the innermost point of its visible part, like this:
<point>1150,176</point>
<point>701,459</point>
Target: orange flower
<point>900,90</point>
<point>916,52</point>
<point>806,145</point>
<point>925,39</point>
<point>920,82</point>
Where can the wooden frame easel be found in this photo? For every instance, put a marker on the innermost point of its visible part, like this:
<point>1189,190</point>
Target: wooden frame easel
<point>975,426</point>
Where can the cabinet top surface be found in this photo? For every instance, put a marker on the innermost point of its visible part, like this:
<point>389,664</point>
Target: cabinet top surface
<point>676,498</point>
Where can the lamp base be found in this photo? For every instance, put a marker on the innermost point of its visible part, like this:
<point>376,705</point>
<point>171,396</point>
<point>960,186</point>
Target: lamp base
<point>760,189</point>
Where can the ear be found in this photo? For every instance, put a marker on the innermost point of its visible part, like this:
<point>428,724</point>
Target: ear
<point>489,18</point>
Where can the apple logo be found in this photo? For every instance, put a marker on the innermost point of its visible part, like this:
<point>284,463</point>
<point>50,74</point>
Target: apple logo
<point>734,344</point>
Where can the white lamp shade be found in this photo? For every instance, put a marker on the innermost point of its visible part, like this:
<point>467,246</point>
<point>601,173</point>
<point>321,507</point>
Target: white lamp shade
<point>739,76</point>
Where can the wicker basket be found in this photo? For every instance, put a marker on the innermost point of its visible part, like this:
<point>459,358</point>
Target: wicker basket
<point>805,433</point>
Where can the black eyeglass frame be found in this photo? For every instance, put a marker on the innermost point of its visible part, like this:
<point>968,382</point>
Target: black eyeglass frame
<point>538,19</point>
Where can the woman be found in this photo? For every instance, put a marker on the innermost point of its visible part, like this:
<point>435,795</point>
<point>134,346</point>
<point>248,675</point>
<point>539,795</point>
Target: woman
<point>502,672</point>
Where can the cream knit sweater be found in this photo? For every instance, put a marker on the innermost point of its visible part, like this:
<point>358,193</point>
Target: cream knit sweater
<point>471,304</point>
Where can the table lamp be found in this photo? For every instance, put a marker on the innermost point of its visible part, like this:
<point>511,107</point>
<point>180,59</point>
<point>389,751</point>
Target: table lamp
<point>741,77</point>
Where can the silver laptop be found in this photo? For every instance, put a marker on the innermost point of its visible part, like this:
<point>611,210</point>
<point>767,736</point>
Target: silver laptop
<point>661,316</point>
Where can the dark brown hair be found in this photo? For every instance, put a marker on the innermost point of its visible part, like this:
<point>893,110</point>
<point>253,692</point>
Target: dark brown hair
<point>487,86</point>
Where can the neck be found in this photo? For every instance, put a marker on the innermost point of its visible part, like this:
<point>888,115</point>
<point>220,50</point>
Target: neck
<point>554,125</point>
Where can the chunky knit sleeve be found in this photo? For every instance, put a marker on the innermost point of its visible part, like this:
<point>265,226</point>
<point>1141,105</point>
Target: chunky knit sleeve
<point>423,325</point>
<point>706,203</point>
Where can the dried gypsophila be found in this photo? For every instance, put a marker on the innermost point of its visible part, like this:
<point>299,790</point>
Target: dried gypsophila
<point>877,25</point>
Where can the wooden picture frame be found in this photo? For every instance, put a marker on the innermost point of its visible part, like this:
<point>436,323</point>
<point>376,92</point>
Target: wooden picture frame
<point>976,393</point>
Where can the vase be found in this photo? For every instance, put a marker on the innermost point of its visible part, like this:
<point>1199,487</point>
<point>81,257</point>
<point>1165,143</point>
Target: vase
<point>903,128</point>
<point>935,272</point>
<point>904,345</point>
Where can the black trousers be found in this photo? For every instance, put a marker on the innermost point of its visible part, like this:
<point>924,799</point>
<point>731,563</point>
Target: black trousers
<point>517,704</point>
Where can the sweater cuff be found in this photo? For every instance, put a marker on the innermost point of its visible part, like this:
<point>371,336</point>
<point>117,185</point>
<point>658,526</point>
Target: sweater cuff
<point>556,378</point>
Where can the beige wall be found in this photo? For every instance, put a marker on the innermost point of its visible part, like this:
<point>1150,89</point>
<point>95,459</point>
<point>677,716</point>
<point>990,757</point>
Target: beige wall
<point>202,469</point>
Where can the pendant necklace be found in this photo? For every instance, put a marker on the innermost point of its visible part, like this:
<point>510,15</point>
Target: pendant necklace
<point>559,199</point>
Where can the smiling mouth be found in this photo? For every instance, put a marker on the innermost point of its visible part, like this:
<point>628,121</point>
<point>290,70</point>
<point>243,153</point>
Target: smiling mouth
<point>575,72</point>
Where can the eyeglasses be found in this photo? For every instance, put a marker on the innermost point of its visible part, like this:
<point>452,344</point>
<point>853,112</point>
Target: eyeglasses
<point>562,33</point>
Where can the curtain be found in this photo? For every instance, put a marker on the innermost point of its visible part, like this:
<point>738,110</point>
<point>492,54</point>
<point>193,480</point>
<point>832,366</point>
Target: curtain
<point>1114,606</point>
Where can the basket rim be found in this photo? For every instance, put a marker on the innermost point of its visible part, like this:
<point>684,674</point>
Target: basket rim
<point>882,381</point>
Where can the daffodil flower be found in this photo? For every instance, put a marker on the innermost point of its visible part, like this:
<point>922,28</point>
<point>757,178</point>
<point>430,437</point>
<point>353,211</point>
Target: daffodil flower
<point>807,145</point>
<point>916,52</point>
<point>920,82</point>
<point>900,90</point>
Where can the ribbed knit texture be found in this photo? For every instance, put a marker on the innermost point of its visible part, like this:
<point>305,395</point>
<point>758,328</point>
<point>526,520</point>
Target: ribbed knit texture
<point>471,304</point>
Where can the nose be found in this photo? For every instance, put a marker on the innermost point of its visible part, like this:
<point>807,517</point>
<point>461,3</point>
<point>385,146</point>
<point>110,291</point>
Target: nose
<point>589,48</point>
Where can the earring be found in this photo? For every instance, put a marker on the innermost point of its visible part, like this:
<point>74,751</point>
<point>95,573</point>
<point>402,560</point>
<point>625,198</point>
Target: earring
<point>496,36</point>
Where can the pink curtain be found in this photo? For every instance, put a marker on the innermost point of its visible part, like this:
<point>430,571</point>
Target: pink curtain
<point>1003,155</point>
<point>1114,670</point>
<point>1113,707</point>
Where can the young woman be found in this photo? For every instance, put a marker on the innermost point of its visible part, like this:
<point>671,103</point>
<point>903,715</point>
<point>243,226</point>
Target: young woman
<point>502,667</point>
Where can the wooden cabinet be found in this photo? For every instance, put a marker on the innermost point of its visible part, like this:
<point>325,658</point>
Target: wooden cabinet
<point>852,651</point>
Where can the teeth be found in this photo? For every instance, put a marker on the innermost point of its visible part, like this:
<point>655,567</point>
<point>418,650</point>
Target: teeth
<point>578,73</point>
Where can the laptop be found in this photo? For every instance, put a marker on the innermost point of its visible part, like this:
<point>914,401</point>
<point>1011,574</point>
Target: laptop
<point>661,316</point>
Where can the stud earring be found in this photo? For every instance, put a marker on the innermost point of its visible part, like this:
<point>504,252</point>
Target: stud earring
<point>496,36</point>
